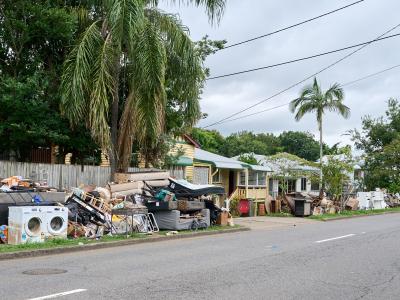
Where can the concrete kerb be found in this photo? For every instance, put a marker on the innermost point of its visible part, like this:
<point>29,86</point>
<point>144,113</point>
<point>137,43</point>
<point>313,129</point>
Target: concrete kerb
<point>357,216</point>
<point>103,245</point>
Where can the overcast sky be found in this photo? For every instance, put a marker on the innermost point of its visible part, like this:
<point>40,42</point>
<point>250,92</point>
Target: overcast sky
<point>246,19</point>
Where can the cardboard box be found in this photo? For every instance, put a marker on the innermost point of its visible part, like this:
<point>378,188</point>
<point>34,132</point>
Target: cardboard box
<point>223,218</point>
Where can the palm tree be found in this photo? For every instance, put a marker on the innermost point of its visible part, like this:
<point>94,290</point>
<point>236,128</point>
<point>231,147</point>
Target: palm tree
<point>314,100</point>
<point>115,78</point>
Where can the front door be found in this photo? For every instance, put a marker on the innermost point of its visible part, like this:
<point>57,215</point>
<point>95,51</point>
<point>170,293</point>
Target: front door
<point>232,183</point>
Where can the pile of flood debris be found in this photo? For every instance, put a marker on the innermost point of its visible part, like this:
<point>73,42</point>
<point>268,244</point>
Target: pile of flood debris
<point>136,203</point>
<point>18,183</point>
<point>311,204</point>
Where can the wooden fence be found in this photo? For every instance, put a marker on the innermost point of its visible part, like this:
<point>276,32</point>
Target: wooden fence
<point>65,176</point>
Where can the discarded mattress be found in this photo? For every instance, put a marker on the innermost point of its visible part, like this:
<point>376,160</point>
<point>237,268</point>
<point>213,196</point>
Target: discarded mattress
<point>154,206</point>
<point>183,188</point>
<point>171,220</point>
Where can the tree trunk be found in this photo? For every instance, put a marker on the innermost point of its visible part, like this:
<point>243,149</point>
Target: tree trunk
<point>320,157</point>
<point>114,136</point>
<point>114,125</point>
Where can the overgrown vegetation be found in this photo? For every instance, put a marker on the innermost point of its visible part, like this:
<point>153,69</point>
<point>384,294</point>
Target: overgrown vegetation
<point>352,213</point>
<point>336,173</point>
<point>379,139</point>
<point>37,39</point>
<point>301,144</point>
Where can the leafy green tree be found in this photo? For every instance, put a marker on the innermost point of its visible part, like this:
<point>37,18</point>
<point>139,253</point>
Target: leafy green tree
<point>379,139</point>
<point>116,75</point>
<point>336,173</point>
<point>301,144</point>
<point>313,99</point>
<point>34,35</point>
<point>249,142</point>
<point>248,158</point>
<point>209,140</point>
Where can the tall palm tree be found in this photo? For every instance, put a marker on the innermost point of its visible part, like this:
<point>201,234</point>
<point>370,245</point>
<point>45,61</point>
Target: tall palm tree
<point>115,78</point>
<point>314,100</point>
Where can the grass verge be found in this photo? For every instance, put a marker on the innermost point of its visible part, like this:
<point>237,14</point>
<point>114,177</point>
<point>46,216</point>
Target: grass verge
<point>351,213</point>
<point>62,243</point>
<point>281,214</point>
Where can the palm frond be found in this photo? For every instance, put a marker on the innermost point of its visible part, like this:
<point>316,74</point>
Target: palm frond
<point>184,69</point>
<point>77,75</point>
<point>338,106</point>
<point>214,8</point>
<point>335,92</point>
<point>306,107</point>
<point>147,73</point>
<point>103,90</point>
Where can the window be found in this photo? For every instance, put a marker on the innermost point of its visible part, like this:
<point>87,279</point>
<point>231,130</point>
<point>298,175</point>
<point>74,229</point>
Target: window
<point>255,178</point>
<point>262,178</point>
<point>242,178</point>
<point>200,175</point>
<point>315,186</point>
<point>252,178</point>
<point>303,184</point>
<point>217,176</point>
<point>291,185</point>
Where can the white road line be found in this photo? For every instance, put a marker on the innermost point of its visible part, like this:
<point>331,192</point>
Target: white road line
<point>59,294</point>
<point>335,238</point>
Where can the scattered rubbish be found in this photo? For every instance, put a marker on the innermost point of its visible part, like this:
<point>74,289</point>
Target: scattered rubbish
<point>3,234</point>
<point>352,203</point>
<point>137,202</point>
<point>171,233</point>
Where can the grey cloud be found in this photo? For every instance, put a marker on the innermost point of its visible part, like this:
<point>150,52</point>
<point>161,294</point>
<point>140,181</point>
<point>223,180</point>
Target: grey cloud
<point>245,19</point>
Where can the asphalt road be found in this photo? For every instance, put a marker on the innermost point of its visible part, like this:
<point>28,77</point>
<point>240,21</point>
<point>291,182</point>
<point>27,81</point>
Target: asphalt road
<point>346,259</point>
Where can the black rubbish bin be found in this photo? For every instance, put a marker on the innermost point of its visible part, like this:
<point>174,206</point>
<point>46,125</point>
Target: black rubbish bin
<point>302,207</point>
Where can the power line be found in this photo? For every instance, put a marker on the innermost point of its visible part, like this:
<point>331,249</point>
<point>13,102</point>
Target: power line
<point>342,85</point>
<point>292,26</point>
<point>302,59</point>
<point>303,80</point>
<point>370,75</point>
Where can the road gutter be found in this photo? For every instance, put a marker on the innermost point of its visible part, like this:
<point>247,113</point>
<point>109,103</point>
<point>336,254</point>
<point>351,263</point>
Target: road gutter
<point>355,216</point>
<point>103,245</point>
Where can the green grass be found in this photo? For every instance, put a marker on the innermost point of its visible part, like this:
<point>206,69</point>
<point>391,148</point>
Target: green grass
<point>62,243</point>
<point>281,214</point>
<point>352,213</point>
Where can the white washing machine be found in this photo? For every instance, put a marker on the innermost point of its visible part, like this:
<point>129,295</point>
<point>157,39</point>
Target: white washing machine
<point>56,222</point>
<point>26,224</point>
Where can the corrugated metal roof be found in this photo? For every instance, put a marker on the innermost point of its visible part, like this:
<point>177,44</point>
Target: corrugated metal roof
<point>223,162</point>
<point>277,164</point>
<point>218,160</point>
<point>260,168</point>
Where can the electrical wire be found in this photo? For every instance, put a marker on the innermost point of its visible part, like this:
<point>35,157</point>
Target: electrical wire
<point>370,75</point>
<point>342,85</point>
<point>303,58</point>
<point>303,80</point>
<point>291,26</point>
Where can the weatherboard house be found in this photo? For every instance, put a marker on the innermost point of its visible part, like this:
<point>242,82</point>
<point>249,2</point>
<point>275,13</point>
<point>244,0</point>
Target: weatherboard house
<point>289,173</point>
<point>240,180</point>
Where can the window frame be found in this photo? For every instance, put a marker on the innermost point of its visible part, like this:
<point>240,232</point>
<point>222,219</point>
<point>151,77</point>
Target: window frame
<point>303,181</point>
<point>216,175</point>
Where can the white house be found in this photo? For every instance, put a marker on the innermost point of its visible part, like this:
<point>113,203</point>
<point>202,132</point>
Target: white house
<point>297,173</point>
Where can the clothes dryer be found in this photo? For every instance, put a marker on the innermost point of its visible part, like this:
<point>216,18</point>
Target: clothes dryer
<point>56,222</point>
